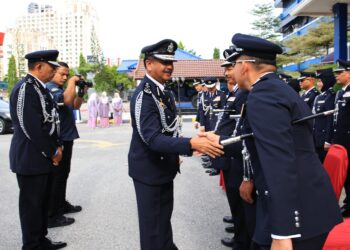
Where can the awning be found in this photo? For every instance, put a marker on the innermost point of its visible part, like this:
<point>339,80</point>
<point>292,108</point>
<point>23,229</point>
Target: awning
<point>316,7</point>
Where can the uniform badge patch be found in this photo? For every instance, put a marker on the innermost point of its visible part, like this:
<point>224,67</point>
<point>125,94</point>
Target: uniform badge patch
<point>231,99</point>
<point>216,99</point>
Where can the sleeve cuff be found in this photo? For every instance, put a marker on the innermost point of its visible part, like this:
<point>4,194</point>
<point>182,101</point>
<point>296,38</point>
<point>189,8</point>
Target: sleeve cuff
<point>280,237</point>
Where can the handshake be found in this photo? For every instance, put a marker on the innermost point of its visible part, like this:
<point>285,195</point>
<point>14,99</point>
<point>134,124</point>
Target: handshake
<point>207,143</point>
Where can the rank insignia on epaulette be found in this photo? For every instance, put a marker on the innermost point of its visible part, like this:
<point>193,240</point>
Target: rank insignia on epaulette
<point>147,88</point>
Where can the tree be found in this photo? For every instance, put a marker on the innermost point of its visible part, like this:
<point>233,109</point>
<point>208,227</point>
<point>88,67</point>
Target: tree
<point>96,51</point>
<point>84,67</point>
<point>181,46</point>
<point>104,80</point>
<point>321,38</point>
<point>265,23</point>
<point>12,73</point>
<point>216,54</point>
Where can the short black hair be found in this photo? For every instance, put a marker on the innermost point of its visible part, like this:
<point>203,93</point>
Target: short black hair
<point>63,64</point>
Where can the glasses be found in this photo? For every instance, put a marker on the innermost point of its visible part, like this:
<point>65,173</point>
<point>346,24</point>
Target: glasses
<point>241,61</point>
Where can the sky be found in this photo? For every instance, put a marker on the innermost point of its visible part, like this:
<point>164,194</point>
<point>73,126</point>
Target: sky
<point>127,26</point>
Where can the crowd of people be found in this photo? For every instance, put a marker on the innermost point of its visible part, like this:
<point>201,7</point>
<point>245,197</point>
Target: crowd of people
<point>264,136</point>
<point>100,107</point>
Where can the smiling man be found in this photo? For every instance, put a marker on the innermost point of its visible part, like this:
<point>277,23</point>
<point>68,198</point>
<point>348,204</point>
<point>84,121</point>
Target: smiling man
<point>155,147</point>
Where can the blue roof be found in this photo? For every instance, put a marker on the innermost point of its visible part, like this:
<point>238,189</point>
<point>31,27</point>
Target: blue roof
<point>127,66</point>
<point>184,55</point>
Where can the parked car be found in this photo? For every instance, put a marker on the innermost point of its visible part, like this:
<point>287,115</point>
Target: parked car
<point>5,118</point>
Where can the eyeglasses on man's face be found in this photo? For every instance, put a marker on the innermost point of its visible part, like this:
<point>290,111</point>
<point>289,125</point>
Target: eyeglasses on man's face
<point>241,61</point>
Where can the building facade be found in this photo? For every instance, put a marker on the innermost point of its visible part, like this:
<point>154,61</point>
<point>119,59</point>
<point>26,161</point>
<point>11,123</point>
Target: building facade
<point>71,25</point>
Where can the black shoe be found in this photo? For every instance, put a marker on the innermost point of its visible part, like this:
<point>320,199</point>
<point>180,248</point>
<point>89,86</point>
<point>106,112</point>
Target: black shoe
<point>227,242</point>
<point>59,221</point>
<point>230,229</point>
<point>346,213</point>
<point>228,219</point>
<point>206,165</point>
<point>214,172</point>
<point>209,171</point>
<point>69,208</point>
<point>49,245</point>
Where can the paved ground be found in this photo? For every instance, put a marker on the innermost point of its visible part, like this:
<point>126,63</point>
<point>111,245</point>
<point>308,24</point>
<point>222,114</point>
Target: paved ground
<point>99,182</point>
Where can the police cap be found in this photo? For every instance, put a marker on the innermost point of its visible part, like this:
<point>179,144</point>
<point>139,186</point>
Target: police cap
<point>342,66</point>
<point>227,53</point>
<point>49,56</point>
<point>255,47</point>
<point>210,82</point>
<point>163,50</point>
<point>304,75</point>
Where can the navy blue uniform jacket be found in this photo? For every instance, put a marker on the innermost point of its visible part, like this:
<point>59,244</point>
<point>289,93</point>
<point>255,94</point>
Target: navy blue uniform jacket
<point>309,97</point>
<point>342,123</point>
<point>154,161</point>
<point>32,156</point>
<point>323,126</point>
<point>295,194</point>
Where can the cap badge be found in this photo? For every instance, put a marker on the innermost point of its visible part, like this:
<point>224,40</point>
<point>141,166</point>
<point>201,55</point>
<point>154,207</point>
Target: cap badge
<point>226,54</point>
<point>170,48</point>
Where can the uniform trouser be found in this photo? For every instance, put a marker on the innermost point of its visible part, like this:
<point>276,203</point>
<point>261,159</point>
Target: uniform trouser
<point>321,153</point>
<point>59,181</point>
<point>155,206</point>
<point>315,243</point>
<point>33,208</point>
<point>237,207</point>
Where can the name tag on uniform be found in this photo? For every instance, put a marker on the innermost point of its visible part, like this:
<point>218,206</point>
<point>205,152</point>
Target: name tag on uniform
<point>321,101</point>
<point>231,99</point>
<point>306,99</point>
<point>217,99</point>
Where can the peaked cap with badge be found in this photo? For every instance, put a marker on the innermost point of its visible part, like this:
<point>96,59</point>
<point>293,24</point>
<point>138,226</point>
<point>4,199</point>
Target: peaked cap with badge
<point>304,75</point>
<point>342,66</point>
<point>163,50</point>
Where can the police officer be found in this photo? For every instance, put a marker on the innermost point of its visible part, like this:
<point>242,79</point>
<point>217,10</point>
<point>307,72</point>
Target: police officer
<point>35,149</point>
<point>211,100</point>
<point>342,121</point>
<point>307,83</point>
<point>197,84</point>
<point>154,150</point>
<point>293,212</point>
<point>67,100</point>
<point>232,167</point>
<point>323,125</point>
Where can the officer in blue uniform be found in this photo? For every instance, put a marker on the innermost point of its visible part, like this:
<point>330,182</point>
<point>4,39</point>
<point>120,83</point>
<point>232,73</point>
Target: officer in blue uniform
<point>342,121</point>
<point>296,206</point>
<point>35,147</point>
<point>197,84</point>
<point>307,83</point>
<point>323,125</point>
<point>232,166</point>
<point>155,147</point>
<point>67,101</point>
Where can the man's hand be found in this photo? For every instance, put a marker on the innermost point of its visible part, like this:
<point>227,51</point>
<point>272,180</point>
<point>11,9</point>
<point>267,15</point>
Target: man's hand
<point>206,146</point>
<point>196,125</point>
<point>285,244</point>
<point>211,136</point>
<point>326,146</point>
<point>201,129</point>
<point>246,191</point>
<point>58,157</point>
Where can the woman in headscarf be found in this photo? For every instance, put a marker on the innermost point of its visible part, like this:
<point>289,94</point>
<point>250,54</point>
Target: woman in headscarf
<point>117,106</point>
<point>92,106</point>
<point>103,110</point>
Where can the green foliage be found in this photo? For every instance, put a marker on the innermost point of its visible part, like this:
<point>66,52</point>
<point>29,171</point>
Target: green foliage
<point>216,53</point>
<point>180,45</point>
<point>12,73</point>
<point>315,43</point>
<point>84,67</point>
<point>265,23</point>
<point>108,78</point>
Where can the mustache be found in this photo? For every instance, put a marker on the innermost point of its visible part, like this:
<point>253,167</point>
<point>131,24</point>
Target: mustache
<point>168,71</point>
